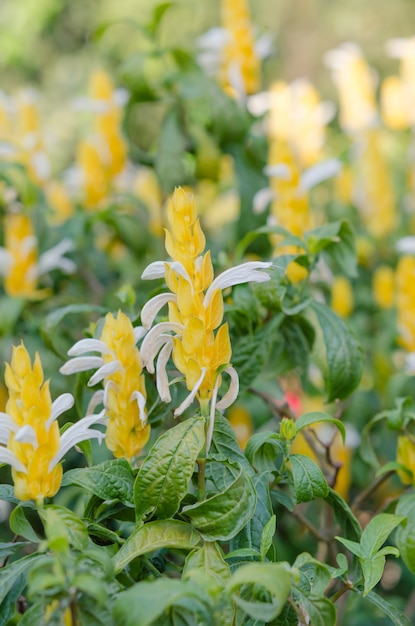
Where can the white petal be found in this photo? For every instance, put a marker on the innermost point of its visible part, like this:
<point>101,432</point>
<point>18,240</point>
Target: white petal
<point>27,434</point>
<point>410,363</point>
<point>81,364</point>
<point>105,370</point>
<point>53,259</point>
<point>232,393</point>
<point>6,456</point>
<point>153,306</point>
<point>89,345</point>
<point>244,273</point>
<point>97,398</point>
<point>316,174</point>
<point>353,438</point>
<point>209,434</point>
<point>264,46</point>
<point>154,340</point>
<point>41,165</point>
<point>141,401</point>
<point>63,403</point>
<point>154,270</point>
<point>78,432</point>
<point>139,333</point>
<point>215,38</point>
<point>236,81</point>
<point>6,261</point>
<point>177,267</point>
<point>278,170</point>
<point>188,401</point>
<point>397,47</point>
<point>120,96</point>
<point>406,245</point>
<point>259,103</point>
<point>262,198</point>
<point>7,425</point>
<point>162,379</point>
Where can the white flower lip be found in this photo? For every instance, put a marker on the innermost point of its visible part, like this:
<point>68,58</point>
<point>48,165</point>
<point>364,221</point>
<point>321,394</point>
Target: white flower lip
<point>262,199</point>
<point>161,372</point>
<point>318,173</point>
<point>244,273</point>
<point>103,371</point>
<point>154,270</point>
<point>63,403</point>
<point>406,245</point>
<point>6,456</point>
<point>153,306</point>
<point>81,364</point>
<point>89,345</point>
<point>192,395</point>
<point>80,431</point>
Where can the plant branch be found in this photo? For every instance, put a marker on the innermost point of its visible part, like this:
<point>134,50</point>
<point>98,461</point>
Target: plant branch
<point>366,493</point>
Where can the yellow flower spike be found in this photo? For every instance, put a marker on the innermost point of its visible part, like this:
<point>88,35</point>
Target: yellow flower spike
<point>342,296</point>
<point>95,180</point>
<point>29,431</point>
<point>393,104</point>
<point>376,197</point>
<point>19,261</point>
<point>241,67</point>
<point>405,455</point>
<point>405,302</point>
<point>60,202</point>
<point>195,311</point>
<point>101,86</point>
<point>120,369</point>
<point>356,87</point>
<point>384,287</point>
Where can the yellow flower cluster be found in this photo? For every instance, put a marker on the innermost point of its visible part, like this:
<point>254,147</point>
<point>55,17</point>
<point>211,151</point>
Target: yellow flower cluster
<point>241,65</point>
<point>127,430</point>
<point>405,302</point>
<point>103,156</point>
<point>398,92</point>
<point>342,296</point>
<point>34,439</point>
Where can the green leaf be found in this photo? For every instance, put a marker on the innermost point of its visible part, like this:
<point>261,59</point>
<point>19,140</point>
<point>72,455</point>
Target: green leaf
<point>267,536</point>
<point>209,561</point>
<point>395,615</point>
<point>63,524</point>
<point>317,573</point>
<point>344,355</point>
<point>405,536</point>
<point>9,549</point>
<point>343,250</point>
<point>21,526</point>
<point>274,577</point>
<point>223,515</point>
<point>377,531</point>
<point>10,573</point>
<point>316,416</point>
<point>344,516</point>
<point>110,480</point>
<point>372,571</point>
<point>242,553</point>
<point>263,449</point>
<point>170,163</point>
<point>164,476</point>
<point>308,479</point>
<point>225,455</point>
<point>352,546</point>
<point>157,16</point>
<point>146,602</point>
<point>91,586</point>
<point>251,534</point>
<point>8,606</point>
<point>49,329</point>
<point>153,536</point>
<point>321,611</point>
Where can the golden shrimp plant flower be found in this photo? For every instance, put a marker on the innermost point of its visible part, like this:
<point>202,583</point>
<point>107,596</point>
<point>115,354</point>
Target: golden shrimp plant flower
<point>124,393</point>
<point>20,263</point>
<point>29,431</point>
<point>194,334</point>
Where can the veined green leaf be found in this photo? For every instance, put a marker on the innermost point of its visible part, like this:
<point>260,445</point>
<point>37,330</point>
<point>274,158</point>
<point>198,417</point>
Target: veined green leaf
<point>21,526</point>
<point>344,355</point>
<point>110,480</point>
<point>223,515</point>
<point>316,416</point>
<point>308,479</point>
<point>377,531</point>
<point>10,573</point>
<point>274,577</point>
<point>209,560</point>
<point>267,536</point>
<point>395,615</point>
<point>405,536</point>
<point>63,524</point>
<point>262,450</point>
<point>164,476</point>
<point>153,536</point>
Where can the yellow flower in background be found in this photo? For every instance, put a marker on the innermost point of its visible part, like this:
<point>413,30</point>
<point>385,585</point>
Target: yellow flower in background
<point>342,296</point>
<point>124,393</point>
<point>384,287</point>
<point>404,91</point>
<point>95,183</point>
<point>200,344</point>
<point>241,421</point>
<point>355,83</point>
<point>405,302</point>
<point>375,194</point>
<point>147,188</point>
<point>59,201</point>
<point>405,454</point>
<point>241,65</point>
<point>20,263</point>
<point>298,117</point>
<point>30,432</point>
<point>393,106</point>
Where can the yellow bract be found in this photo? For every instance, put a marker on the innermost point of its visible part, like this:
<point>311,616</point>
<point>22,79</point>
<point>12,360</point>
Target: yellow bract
<point>342,296</point>
<point>384,287</point>
<point>198,347</point>
<point>21,244</point>
<point>127,433</point>
<point>30,405</point>
<point>405,302</point>
<point>405,454</point>
<point>239,53</point>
